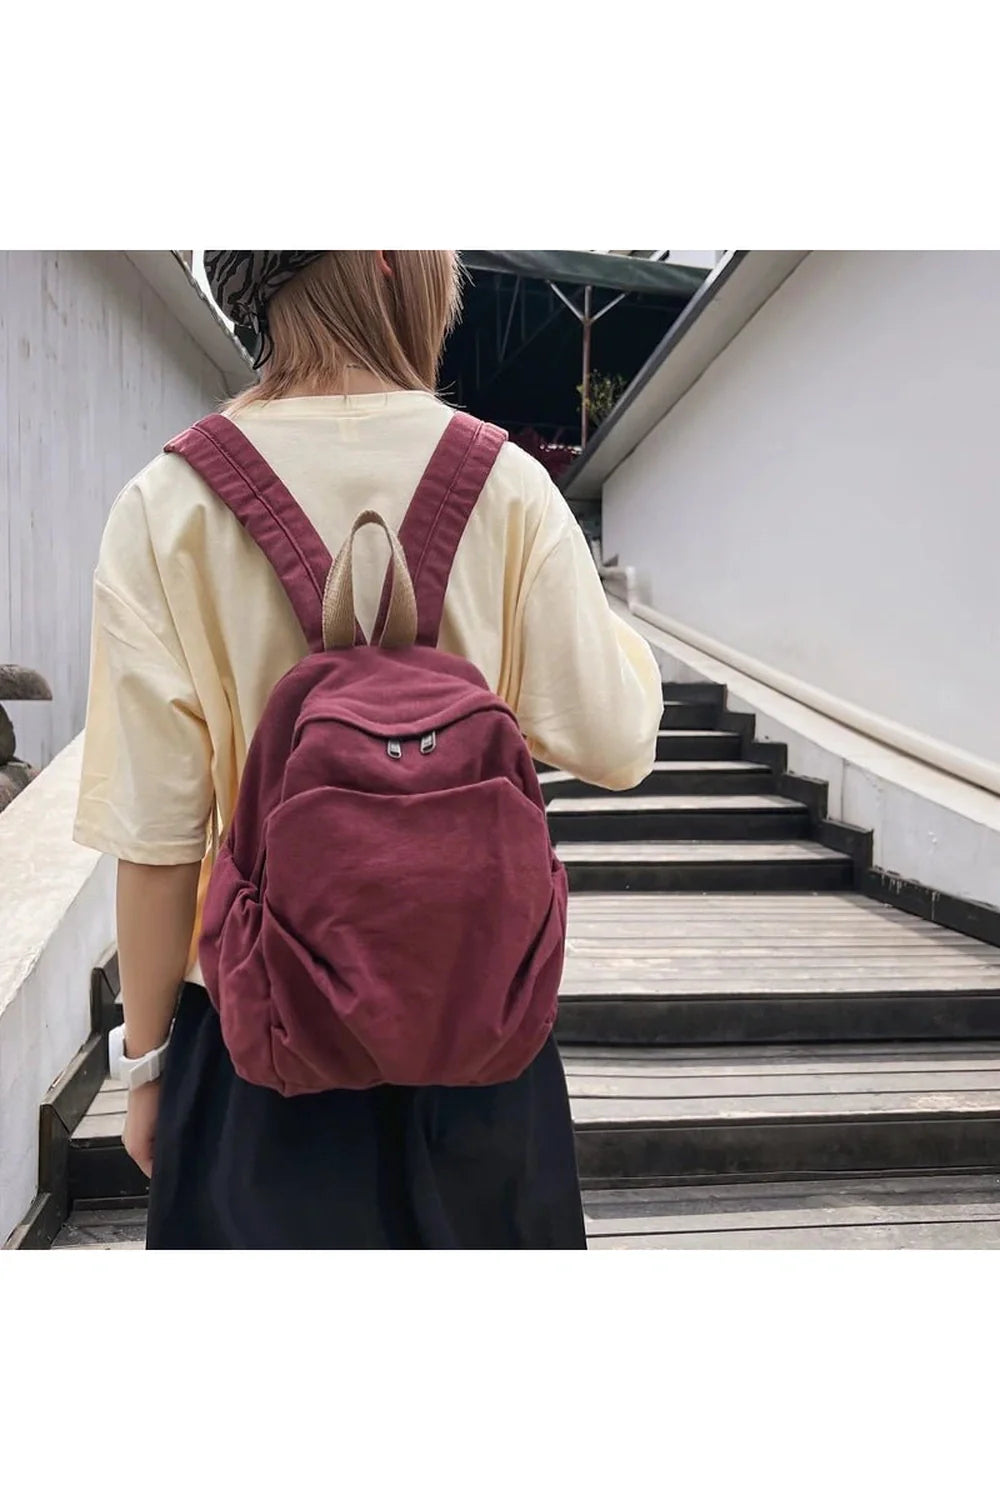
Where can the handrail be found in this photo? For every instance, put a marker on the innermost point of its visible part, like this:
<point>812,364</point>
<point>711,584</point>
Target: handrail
<point>962,764</point>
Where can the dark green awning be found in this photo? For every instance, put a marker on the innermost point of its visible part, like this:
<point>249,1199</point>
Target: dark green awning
<point>619,273</point>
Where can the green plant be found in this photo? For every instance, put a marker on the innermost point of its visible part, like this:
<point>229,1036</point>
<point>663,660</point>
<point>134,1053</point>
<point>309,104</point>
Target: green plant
<point>605,393</point>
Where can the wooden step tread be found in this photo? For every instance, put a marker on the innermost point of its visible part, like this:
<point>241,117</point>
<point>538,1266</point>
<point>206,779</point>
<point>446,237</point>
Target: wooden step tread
<point>662,1087</point>
<point>105,1119</point>
<point>682,944</point>
<point>692,851</point>
<point>946,1212</point>
<point>678,1084</point>
<point>665,803</point>
<point>103,1229</point>
<point>98,1126</point>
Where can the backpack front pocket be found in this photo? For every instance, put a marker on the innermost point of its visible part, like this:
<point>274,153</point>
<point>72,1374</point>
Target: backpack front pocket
<point>406,929</point>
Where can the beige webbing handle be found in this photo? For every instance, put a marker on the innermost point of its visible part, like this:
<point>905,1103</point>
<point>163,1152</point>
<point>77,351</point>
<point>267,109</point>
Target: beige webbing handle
<point>400,627</point>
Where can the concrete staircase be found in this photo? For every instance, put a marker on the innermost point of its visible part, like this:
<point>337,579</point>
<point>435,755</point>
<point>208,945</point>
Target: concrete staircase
<point>756,1053</point>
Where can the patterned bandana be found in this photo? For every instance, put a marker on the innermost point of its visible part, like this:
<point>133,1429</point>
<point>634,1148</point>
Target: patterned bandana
<point>244,281</point>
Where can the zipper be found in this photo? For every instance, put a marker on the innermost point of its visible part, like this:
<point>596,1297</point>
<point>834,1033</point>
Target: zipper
<point>428,744</point>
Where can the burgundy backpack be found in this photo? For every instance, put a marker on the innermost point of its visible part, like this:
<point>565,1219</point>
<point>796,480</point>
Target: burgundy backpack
<point>386,906</point>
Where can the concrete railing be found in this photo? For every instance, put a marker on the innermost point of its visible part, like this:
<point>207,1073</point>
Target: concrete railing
<point>56,923</point>
<point>934,818</point>
<point>953,761</point>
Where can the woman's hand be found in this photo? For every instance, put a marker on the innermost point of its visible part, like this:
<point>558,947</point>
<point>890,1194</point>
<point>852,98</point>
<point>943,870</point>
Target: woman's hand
<point>139,1135</point>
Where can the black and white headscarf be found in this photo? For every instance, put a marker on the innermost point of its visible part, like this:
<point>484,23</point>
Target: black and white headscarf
<point>244,281</point>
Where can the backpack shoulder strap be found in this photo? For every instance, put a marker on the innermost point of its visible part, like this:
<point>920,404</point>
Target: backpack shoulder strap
<point>439,512</point>
<point>243,479</point>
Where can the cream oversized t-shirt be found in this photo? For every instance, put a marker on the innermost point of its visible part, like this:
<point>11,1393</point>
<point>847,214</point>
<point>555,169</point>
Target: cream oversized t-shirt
<point>192,628</point>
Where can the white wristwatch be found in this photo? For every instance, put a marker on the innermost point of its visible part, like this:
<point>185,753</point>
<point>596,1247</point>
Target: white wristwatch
<point>133,1072</point>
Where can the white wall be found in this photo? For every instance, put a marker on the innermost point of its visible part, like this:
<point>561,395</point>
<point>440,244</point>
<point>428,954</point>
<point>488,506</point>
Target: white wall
<point>826,498</point>
<point>97,374</point>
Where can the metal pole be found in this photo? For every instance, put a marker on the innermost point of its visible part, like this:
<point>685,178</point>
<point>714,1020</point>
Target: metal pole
<point>585,386</point>
<point>510,319</point>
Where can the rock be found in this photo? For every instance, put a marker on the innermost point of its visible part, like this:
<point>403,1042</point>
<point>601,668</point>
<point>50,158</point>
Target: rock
<point>14,777</point>
<point>19,685</point>
<point>8,744</point>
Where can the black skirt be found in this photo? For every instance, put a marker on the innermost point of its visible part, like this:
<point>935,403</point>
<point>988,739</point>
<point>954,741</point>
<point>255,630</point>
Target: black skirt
<point>237,1167</point>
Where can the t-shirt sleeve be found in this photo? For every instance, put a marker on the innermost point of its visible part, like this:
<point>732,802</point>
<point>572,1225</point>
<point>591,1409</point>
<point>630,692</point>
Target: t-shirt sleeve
<point>146,788</point>
<point>588,696</point>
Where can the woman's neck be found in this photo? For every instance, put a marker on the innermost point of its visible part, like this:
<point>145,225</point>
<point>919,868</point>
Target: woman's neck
<point>355,381</point>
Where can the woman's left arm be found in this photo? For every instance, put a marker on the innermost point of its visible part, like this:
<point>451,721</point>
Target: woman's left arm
<point>146,793</point>
<point>156,912</point>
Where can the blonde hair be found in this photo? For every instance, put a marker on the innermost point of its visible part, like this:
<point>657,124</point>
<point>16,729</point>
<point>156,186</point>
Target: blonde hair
<point>344,310</point>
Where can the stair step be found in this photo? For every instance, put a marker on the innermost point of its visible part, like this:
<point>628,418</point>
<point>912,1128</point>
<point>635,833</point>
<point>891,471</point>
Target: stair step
<point>646,944</point>
<point>688,715</point>
<point>682,778</point>
<point>675,969</point>
<point>809,1015</point>
<point>652,1117</point>
<point>947,1212</point>
<point>697,744</point>
<point>100,1173</point>
<point>695,692</point>
<point>683,745</point>
<point>676,817</point>
<point>103,1229</point>
<point>704,865</point>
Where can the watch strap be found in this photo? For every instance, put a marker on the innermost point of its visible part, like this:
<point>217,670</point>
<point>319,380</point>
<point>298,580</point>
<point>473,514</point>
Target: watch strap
<point>134,1071</point>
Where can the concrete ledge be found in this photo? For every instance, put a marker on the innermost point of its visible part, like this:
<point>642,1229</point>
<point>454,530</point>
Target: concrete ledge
<point>56,922</point>
<point>724,304</point>
<point>173,282</point>
<point>928,826</point>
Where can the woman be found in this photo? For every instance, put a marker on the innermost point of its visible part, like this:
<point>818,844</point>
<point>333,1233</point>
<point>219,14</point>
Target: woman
<point>192,630</point>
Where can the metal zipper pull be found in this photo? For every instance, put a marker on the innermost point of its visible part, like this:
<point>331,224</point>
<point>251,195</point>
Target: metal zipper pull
<point>428,743</point>
<point>394,750</point>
